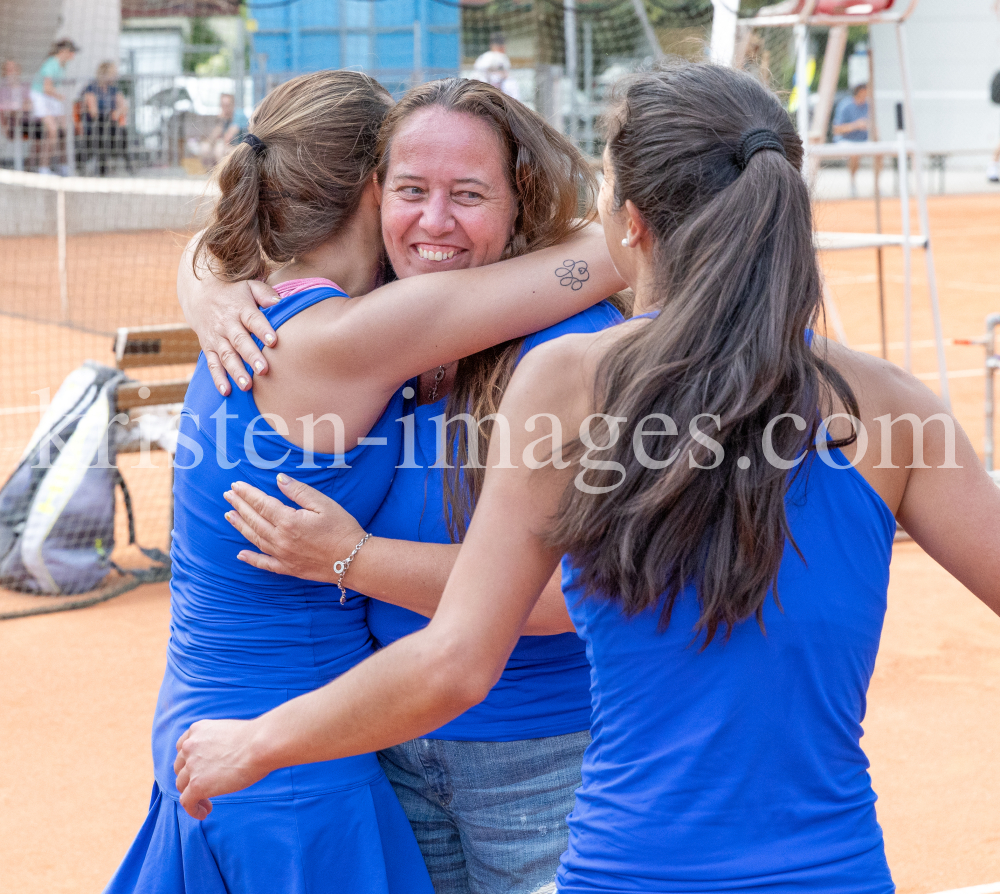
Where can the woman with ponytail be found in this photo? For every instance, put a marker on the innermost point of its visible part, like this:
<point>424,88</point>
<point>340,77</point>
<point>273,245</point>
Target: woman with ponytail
<point>726,529</point>
<point>487,794</point>
<point>299,207</point>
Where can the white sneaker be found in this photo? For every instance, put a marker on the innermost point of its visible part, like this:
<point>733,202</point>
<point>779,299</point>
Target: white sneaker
<point>45,170</point>
<point>993,173</point>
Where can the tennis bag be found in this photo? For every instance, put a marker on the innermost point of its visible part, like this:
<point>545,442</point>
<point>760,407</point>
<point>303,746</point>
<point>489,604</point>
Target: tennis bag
<point>57,511</point>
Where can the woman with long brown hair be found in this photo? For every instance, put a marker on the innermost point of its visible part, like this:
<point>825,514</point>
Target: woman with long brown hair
<point>487,795</point>
<point>727,530</point>
<point>298,205</point>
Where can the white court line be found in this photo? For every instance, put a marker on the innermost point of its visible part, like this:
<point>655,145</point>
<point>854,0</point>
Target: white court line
<point>975,889</point>
<point>16,411</point>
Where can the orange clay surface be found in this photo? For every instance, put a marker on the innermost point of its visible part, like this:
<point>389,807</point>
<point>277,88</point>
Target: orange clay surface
<point>78,689</point>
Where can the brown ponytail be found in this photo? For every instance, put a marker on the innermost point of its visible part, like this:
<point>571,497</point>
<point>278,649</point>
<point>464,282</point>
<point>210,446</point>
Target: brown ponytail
<point>312,155</point>
<point>740,285</point>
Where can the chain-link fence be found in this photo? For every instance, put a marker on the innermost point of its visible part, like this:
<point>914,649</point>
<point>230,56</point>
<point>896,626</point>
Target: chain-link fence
<point>179,89</point>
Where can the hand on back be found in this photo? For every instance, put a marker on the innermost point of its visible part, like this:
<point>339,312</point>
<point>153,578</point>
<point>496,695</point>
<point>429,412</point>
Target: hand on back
<point>304,542</point>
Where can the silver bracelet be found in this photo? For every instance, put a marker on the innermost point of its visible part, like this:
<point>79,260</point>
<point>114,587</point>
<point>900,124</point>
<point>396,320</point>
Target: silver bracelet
<point>342,566</point>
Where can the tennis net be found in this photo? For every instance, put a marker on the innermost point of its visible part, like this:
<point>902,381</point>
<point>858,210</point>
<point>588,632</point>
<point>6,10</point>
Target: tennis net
<point>79,259</point>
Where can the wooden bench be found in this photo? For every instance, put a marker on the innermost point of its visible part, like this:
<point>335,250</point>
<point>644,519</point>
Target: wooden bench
<point>147,347</point>
<point>142,347</point>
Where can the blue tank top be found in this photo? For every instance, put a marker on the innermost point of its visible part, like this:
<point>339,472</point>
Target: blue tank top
<point>543,690</point>
<point>739,768</point>
<point>243,640</point>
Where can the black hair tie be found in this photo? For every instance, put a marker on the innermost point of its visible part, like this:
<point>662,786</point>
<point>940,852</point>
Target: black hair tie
<point>255,143</point>
<point>754,141</point>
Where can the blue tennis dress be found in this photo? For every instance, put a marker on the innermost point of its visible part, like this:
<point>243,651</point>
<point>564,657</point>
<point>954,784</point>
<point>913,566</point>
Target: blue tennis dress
<point>243,641</point>
<point>739,767</point>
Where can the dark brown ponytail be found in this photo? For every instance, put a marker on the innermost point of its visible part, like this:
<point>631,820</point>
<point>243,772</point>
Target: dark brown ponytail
<point>298,176</point>
<point>740,286</point>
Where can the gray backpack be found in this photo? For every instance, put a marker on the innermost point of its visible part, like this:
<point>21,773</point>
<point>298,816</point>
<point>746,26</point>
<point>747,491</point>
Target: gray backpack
<point>57,510</point>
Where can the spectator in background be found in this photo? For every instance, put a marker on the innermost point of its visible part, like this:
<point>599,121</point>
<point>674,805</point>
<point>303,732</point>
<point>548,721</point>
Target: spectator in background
<point>105,112</point>
<point>229,127</point>
<point>48,104</point>
<point>15,101</point>
<point>493,66</point>
<point>850,125</point>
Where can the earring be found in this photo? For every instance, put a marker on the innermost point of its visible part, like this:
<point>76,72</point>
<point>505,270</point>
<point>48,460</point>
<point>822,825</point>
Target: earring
<point>625,242</point>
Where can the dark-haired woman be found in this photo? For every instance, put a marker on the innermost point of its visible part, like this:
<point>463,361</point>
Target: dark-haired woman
<point>487,794</point>
<point>298,205</point>
<point>728,557</point>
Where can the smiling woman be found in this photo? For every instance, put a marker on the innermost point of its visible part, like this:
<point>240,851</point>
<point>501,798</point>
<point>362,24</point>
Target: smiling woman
<point>446,204</point>
<point>466,169</point>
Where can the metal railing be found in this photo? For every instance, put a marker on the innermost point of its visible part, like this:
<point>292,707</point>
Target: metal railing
<point>161,124</point>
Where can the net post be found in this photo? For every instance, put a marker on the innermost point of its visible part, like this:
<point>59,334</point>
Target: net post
<point>801,32</point>
<point>18,131</point>
<point>908,133</point>
<point>647,29</point>
<point>903,161</point>
<point>992,364</point>
<point>588,86</point>
<point>725,21</point>
<point>569,32</point>
<point>239,60</point>
<point>61,243</point>
<point>70,135</point>
<point>418,53</point>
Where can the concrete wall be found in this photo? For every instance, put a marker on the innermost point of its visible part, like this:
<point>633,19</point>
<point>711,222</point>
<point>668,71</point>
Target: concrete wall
<point>27,211</point>
<point>29,27</point>
<point>27,30</point>
<point>954,50</point>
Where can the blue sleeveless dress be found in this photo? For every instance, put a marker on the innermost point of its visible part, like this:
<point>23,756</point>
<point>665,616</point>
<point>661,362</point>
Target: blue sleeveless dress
<point>739,768</point>
<point>243,641</point>
<point>543,690</point>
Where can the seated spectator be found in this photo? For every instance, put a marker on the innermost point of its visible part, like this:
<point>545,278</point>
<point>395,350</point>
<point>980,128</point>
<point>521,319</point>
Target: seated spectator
<point>850,124</point>
<point>48,103</point>
<point>493,66</point>
<point>105,112</point>
<point>15,101</point>
<point>229,127</point>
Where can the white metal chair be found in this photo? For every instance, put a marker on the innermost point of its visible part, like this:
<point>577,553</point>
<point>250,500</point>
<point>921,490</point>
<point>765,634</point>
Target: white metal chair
<point>802,15</point>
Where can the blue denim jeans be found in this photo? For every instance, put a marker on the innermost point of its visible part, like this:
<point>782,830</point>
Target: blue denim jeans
<point>490,817</point>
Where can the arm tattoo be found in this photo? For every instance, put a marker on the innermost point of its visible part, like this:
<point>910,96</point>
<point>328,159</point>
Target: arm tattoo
<point>573,274</point>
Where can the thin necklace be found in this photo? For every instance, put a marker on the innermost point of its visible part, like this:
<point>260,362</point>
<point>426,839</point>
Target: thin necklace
<point>438,376</point>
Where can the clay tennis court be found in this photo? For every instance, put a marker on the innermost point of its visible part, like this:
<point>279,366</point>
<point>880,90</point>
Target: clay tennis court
<point>79,688</point>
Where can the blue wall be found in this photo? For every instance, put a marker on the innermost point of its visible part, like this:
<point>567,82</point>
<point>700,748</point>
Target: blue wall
<point>375,36</point>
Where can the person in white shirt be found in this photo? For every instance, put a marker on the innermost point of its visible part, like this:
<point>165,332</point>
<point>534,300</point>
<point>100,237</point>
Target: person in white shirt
<point>493,66</point>
<point>48,102</point>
